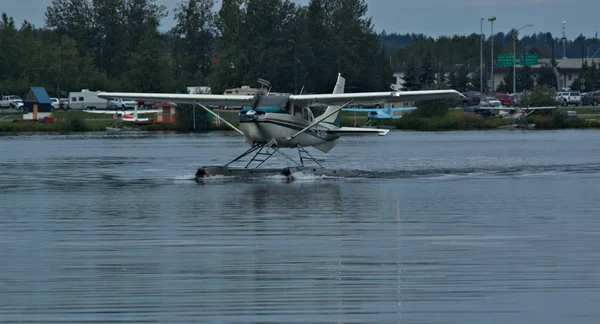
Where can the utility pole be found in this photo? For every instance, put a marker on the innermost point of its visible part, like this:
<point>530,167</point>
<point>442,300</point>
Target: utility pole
<point>492,19</point>
<point>564,39</point>
<point>515,58</point>
<point>481,56</point>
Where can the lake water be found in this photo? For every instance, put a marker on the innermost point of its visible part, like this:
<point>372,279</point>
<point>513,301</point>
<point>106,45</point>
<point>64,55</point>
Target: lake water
<point>456,227</point>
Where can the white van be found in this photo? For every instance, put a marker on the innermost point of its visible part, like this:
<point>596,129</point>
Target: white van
<point>86,99</point>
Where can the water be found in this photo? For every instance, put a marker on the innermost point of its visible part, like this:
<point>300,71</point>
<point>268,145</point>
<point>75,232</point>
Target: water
<point>458,227</point>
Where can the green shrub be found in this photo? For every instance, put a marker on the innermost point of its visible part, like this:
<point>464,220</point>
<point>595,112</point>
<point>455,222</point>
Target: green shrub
<point>541,96</point>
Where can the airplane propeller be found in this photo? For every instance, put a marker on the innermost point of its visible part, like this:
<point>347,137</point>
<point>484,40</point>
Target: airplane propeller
<point>252,112</point>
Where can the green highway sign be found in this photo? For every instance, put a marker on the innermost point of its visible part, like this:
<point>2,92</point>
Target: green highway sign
<point>528,60</point>
<point>505,60</point>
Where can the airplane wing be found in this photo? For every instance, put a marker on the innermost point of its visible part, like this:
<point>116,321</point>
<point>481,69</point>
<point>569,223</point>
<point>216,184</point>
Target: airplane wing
<point>367,110</point>
<point>102,112</point>
<point>130,112</point>
<point>535,108</point>
<point>369,97</point>
<point>205,99</point>
<point>358,130</point>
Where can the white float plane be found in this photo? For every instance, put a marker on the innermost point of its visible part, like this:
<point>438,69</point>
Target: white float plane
<point>517,114</point>
<point>121,116</point>
<point>285,121</point>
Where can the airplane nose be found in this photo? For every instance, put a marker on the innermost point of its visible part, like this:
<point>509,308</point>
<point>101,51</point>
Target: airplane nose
<point>251,114</point>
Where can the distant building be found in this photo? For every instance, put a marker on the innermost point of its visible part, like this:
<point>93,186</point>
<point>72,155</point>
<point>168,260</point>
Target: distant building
<point>568,70</point>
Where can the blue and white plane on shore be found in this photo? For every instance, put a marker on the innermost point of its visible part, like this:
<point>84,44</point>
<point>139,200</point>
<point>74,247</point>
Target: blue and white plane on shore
<point>375,114</point>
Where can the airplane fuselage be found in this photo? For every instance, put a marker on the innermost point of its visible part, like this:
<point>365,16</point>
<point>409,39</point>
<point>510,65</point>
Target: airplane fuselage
<point>281,126</point>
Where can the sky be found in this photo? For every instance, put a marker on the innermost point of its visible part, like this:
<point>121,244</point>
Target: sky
<point>430,17</point>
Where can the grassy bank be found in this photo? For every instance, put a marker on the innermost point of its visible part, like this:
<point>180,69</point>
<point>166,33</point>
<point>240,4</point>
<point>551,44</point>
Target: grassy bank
<point>76,121</point>
<point>458,120</point>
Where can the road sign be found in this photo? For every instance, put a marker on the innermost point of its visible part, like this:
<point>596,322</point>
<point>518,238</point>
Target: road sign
<point>505,60</point>
<point>528,60</point>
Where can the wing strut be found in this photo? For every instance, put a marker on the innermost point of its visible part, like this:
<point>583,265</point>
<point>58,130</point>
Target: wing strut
<point>220,118</point>
<point>320,119</point>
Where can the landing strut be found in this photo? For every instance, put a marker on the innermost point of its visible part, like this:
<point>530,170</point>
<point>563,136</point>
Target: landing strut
<point>260,153</point>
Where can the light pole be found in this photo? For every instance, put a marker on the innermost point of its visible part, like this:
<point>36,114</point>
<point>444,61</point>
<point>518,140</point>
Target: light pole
<point>515,57</point>
<point>481,56</point>
<point>295,63</point>
<point>492,19</point>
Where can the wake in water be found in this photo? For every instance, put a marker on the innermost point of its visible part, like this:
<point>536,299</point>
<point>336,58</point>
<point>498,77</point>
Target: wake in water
<point>445,173</point>
<point>514,170</point>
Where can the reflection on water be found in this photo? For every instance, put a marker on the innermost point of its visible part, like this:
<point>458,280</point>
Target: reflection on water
<point>100,229</point>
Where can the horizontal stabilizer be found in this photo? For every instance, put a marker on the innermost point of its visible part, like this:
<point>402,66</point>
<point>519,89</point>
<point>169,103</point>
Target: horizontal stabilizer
<point>383,110</point>
<point>358,130</point>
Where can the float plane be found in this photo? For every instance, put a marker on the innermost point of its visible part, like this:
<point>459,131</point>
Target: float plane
<point>270,122</point>
<point>122,116</point>
<point>517,115</point>
<point>375,114</point>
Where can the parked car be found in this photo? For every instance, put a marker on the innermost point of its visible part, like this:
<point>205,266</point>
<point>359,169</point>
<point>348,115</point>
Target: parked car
<point>569,98</point>
<point>493,102</point>
<point>472,98</point>
<point>505,99</point>
<point>122,103</point>
<point>10,101</point>
<point>18,104</point>
<point>63,103</point>
<point>591,98</point>
<point>55,103</point>
<point>481,112</point>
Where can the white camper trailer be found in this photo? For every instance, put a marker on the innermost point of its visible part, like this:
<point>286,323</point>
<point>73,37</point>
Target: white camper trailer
<point>86,99</point>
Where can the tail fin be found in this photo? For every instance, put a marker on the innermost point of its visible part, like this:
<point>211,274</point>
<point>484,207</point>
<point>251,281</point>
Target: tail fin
<point>390,112</point>
<point>335,119</point>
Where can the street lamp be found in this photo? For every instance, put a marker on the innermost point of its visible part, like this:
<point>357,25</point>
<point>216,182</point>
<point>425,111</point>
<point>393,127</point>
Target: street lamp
<point>295,63</point>
<point>481,56</point>
<point>515,58</point>
<point>492,19</point>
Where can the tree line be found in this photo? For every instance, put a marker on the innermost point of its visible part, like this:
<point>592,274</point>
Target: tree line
<point>455,61</point>
<point>118,45</point>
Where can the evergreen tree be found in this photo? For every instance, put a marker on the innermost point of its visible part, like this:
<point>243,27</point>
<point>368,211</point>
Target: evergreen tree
<point>110,21</point>
<point>195,39</point>
<point>462,79</point>
<point>151,68</point>
<point>411,76</point>
<point>9,53</point>
<point>427,73</point>
<point>452,80</point>
<point>546,76</point>
<point>232,64</point>
<point>75,19</point>
<point>441,75</point>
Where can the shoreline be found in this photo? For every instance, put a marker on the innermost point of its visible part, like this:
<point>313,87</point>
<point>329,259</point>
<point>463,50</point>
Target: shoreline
<point>69,122</point>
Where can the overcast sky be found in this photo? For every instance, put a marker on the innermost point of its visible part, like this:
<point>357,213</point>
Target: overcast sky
<point>430,17</point>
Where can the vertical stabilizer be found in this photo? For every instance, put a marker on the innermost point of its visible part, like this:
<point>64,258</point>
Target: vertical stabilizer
<point>335,119</point>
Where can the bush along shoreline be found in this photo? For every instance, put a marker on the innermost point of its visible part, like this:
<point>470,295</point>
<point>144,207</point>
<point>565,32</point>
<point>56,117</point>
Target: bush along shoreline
<point>459,120</point>
<point>452,121</point>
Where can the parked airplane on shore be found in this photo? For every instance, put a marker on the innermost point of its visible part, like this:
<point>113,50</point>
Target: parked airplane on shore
<point>375,114</point>
<point>286,121</point>
<point>518,114</point>
<point>122,116</point>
